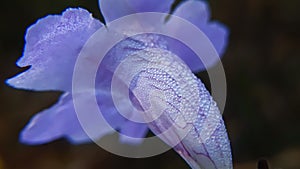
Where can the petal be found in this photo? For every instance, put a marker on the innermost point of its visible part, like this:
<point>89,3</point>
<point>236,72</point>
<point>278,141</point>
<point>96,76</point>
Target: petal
<point>183,112</point>
<point>61,121</point>
<point>197,12</point>
<point>52,46</point>
<point>114,9</point>
<point>133,130</point>
<point>218,34</point>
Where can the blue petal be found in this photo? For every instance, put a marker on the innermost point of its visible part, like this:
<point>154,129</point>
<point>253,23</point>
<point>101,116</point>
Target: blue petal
<point>61,121</point>
<point>52,46</point>
<point>114,9</point>
<point>183,112</point>
<point>218,34</point>
<point>129,128</point>
<point>135,130</point>
<point>197,12</point>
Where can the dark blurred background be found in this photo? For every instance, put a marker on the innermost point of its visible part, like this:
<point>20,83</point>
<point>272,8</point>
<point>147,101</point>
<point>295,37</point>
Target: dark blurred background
<point>262,65</point>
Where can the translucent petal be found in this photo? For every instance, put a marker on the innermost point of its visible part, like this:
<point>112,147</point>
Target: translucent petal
<point>114,9</point>
<point>184,114</point>
<point>135,130</point>
<point>52,46</point>
<point>61,121</point>
<point>197,12</point>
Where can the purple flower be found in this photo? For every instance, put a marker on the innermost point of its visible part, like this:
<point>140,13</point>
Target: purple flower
<point>54,43</point>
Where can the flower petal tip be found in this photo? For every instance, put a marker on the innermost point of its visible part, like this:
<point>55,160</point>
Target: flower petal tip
<point>52,46</point>
<point>28,137</point>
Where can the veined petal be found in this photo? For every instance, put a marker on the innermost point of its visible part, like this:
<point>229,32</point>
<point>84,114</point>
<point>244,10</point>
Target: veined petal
<point>114,9</point>
<point>52,46</point>
<point>197,12</point>
<point>182,111</point>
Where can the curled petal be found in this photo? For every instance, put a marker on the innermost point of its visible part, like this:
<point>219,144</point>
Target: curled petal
<point>114,9</point>
<point>182,112</point>
<point>52,46</point>
<point>197,12</point>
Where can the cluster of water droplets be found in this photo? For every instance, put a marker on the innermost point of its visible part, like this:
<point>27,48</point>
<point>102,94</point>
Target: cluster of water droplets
<point>173,102</point>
